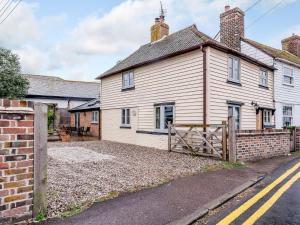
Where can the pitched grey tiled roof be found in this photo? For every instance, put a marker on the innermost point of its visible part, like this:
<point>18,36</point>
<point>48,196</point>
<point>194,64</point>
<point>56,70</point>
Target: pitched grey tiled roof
<point>93,104</point>
<point>176,42</point>
<point>58,87</point>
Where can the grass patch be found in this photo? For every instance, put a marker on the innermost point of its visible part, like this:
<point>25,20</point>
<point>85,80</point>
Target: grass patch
<point>72,210</point>
<point>40,217</point>
<point>213,167</point>
<point>228,165</point>
<point>110,195</point>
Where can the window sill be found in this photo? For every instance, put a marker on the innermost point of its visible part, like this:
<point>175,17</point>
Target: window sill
<point>125,127</point>
<point>152,132</point>
<point>94,123</point>
<point>263,87</point>
<point>288,85</point>
<point>234,83</point>
<point>269,126</point>
<point>128,89</point>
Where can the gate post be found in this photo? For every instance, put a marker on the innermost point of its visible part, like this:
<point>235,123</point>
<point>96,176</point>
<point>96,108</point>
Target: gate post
<point>40,159</point>
<point>224,140</point>
<point>232,140</point>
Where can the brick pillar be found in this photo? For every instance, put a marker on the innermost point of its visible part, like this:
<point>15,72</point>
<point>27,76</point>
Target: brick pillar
<point>16,160</point>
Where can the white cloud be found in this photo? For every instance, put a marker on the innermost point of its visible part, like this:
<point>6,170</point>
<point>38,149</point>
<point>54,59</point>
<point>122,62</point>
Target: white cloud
<point>115,33</point>
<point>20,27</point>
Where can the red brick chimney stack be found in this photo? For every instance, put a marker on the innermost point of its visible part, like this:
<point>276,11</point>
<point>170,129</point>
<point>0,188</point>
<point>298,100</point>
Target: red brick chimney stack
<point>160,28</point>
<point>292,44</point>
<point>232,27</point>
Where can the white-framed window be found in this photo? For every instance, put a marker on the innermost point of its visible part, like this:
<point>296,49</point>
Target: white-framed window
<point>234,69</point>
<point>127,80</point>
<point>267,115</point>
<point>163,114</point>
<point>77,119</point>
<point>95,117</point>
<point>263,78</point>
<point>288,76</point>
<point>235,112</point>
<point>287,111</point>
<point>125,120</point>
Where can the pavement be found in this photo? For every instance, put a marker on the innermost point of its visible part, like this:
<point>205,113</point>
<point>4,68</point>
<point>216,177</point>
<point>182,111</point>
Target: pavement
<point>174,201</point>
<point>276,200</point>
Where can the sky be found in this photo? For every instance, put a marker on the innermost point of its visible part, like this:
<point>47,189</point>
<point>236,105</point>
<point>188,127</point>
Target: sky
<point>80,39</point>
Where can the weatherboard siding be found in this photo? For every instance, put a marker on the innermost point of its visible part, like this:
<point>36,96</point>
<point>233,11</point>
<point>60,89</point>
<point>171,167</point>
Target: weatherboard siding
<point>178,79</point>
<point>219,91</point>
<point>256,53</point>
<point>287,95</point>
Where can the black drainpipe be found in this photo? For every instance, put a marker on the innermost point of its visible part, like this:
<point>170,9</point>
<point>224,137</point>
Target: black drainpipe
<point>204,89</point>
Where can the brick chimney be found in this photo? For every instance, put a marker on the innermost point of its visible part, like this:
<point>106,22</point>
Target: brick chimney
<point>292,44</point>
<point>160,28</point>
<point>232,27</point>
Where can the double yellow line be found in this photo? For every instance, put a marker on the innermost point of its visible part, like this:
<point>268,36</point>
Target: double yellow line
<point>267,205</point>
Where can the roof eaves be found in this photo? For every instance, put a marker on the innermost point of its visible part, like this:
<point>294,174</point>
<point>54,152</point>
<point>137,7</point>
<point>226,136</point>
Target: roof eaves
<point>225,49</point>
<point>287,62</point>
<point>151,61</point>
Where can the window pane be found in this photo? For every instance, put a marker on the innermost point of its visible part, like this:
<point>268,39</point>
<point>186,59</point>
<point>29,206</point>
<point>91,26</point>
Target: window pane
<point>230,111</point>
<point>168,115</point>
<point>131,79</point>
<point>230,68</point>
<point>157,117</point>
<point>288,80</point>
<point>236,71</point>
<point>288,72</point>
<point>128,116</point>
<point>123,116</point>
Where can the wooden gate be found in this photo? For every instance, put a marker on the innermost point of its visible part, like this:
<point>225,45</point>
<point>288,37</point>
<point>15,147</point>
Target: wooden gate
<point>196,139</point>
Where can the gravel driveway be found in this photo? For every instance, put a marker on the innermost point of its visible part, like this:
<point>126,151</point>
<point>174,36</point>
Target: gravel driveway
<point>80,173</point>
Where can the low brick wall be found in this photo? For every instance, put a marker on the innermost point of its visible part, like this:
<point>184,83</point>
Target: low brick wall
<point>16,160</point>
<point>298,139</point>
<point>254,145</point>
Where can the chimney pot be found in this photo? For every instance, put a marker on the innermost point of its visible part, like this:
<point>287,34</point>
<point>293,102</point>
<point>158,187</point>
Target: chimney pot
<point>227,8</point>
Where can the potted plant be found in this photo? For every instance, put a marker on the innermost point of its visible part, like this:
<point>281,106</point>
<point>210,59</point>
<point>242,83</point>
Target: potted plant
<point>64,135</point>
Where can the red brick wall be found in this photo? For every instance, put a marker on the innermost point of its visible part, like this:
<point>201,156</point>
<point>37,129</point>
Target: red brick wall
<point>16,160</point>
<point>297,139</point>
<point>86,121</point>
<point>255,145</point>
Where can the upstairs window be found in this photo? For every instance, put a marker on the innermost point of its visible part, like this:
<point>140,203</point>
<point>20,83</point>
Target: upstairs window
<point>127,80</point>
<point>95,116</point>
<point>263,78</point>
<point>233,69</point>
<point>287,116</point>
<point>288,76</point>
<point>163,114</point>
<point>125,117</point>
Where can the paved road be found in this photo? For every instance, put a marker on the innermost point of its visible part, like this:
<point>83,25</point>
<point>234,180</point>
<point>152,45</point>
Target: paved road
<point>163,204</point>
<point>277,202</point>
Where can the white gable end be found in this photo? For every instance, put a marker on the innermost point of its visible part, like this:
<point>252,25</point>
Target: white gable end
<point>256,53</point>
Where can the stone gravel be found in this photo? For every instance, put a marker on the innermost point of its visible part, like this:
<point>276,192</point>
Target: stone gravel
<point>116,168</point>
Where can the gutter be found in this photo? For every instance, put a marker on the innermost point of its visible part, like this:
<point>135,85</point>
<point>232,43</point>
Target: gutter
<point>210,43</point>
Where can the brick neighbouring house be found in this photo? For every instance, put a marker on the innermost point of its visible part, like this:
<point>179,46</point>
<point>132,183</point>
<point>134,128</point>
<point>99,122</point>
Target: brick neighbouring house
<point>61,94</point>
<point>87,115</point>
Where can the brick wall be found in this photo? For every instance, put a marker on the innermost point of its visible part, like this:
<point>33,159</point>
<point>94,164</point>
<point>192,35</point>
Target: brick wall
<point>86,121</point>
<point>254,145</point>
<point>297,139</point>
<point>16,160</point>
